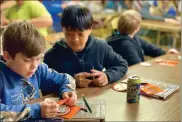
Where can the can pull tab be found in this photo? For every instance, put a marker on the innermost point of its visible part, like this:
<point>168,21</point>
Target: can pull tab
<point>134,77</point>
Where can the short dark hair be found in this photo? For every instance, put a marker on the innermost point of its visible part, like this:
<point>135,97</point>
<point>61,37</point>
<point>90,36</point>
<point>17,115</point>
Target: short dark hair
<point>24,38</point>
<point>76,17</point>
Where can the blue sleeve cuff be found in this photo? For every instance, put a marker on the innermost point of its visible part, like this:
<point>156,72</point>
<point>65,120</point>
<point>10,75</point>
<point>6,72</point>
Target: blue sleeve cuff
<point>35,110</point>
<point>109,76</point>
<point>64,90</point>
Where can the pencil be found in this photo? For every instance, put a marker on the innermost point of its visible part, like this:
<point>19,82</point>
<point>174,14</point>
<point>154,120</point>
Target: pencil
<point>86,103</point>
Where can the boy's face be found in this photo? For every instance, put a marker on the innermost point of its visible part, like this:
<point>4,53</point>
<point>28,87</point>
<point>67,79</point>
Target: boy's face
<point>22,64</point>
<point>76,40</point>
<point>137,29</point>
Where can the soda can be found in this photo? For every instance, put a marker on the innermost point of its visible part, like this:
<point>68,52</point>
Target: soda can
<point>133,89</point>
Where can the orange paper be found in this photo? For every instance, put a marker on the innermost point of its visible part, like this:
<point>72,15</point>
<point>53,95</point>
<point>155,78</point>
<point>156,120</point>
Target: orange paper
<point>74,109</point>
<point>61,102</point>
<point>167,62</point>
<point>150,89</point>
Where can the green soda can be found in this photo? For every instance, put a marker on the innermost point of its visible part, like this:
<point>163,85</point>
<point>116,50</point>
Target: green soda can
<point>133,89</point>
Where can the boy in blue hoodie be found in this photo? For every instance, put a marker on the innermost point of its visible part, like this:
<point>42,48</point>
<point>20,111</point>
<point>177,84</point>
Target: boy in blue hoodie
<point>22,75</point>
<point>82,55</point>
<point>125,42</point>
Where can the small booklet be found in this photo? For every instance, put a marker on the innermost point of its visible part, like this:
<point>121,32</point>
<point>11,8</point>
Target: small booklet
<point>166,88</point>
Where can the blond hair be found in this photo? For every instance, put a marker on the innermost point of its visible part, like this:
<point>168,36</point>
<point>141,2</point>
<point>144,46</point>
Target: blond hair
<point>129,21</point>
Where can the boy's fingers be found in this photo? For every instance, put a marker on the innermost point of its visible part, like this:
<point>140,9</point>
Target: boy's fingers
<point>82,74</point>
<point>50,102</point>
<point>83,85</point>
<point>72,94</point>
<point>52,111</point>
<point>95,82</point>
<point>69,94</point>
<point>85,74</point>
<point>94,71</point>
<point>66,96</point>
<point>54,106</point>
<point>103,84</point>
<point>100,79</point>
<point>50,115</point>
<point>85,82</point>
<point>70,102</point>
<point>72,99</point>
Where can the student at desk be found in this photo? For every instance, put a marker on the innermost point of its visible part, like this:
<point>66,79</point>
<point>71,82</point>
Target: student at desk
<point>32,11</point>
<point>126,43</point>
<point>152,12</point>
<point>23,75</point>
<point>82,55</point>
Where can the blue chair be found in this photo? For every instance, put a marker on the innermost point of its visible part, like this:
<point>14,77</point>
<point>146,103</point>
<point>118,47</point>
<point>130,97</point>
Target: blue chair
<point>54,8</point>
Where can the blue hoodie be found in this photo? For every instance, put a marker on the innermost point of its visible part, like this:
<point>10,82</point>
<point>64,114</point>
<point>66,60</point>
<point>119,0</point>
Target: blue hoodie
<point>15,90</point>
<point>97,54</point>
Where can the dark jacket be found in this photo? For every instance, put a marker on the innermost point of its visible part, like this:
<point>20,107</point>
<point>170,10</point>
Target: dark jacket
<point>97,54</point>
<point>133,49</point>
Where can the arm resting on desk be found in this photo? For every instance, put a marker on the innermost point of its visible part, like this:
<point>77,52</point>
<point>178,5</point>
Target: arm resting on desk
<point>130,53</point>
<point>116,66</point>
<point>52,81</point>
<point>151,49</point>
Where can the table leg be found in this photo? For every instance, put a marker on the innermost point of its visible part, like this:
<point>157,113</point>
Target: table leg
<point>158,38</point>
<point>1,52</point>
<point>174,39</point>
<point>102,120</point>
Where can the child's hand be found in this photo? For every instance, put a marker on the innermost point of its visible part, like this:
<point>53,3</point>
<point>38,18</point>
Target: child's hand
<point>100,78</point>
<point>173,51</point>
<point>82,79</point>
<point>72,98</point>
<point>4,21</point>
<point>49,108</point>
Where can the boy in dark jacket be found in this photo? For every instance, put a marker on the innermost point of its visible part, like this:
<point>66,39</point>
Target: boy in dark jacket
<point>128,45</point>
<point>22,76</point>
<point>84,56</point>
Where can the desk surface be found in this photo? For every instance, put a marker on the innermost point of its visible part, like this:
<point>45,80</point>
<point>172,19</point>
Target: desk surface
<point>117,109</point>
<point>160,25</point>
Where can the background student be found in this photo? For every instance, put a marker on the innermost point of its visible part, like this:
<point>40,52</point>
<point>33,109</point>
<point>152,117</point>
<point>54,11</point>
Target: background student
<point>81,55</point>
<point>125,42</point>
